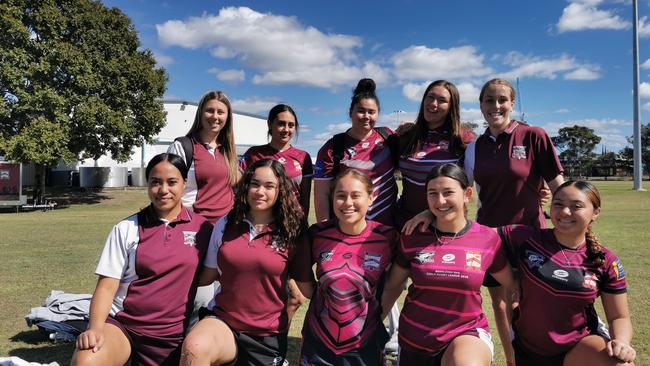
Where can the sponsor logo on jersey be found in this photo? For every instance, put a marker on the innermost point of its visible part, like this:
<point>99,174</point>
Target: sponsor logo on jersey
<point>448,258</point>
<point>425,257</point>
<point>421,154</point>
<point>472,260</point>
<point>326,256</point>
<point>561,274</point>
<point>371,261</point>
<point>591,281</point>
<point>347,255</point>
<point>618,269</point>
<point>365,145</point>
<point>351,152</point>
<point>519,152</point>
<point>189,238</point>
<point>534,259</point>
<point>443,145</point>
<point>282,160</point>
<point>297,166</point>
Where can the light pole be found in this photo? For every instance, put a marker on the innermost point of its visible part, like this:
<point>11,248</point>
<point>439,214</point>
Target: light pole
<point>638,169</point>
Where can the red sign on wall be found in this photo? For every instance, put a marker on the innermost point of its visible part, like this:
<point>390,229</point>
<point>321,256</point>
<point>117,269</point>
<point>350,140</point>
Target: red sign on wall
<point>9,181</point>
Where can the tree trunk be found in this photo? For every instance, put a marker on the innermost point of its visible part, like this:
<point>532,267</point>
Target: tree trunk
<point>39,185</point>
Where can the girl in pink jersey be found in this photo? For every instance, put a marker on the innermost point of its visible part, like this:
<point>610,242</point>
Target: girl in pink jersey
<point>562,271</point>
<point>351,253</point>
<point>147,276</point>
<point>437,137</point>
<point>253,251</point>
<point>442,322</point>
<point>365,148</point>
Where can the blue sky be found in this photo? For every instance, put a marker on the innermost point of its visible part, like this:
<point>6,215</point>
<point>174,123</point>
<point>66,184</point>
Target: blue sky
<point>573,58</point>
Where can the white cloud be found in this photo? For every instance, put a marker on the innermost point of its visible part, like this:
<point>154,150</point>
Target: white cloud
<point>562,110</point>
<point>331,130</point>
<point>472,115</point>
<point>548,67</point>
<point>254,104</point>
<point>468,92</point>
<point>280,48</point>
<point>229,76</point>
<point>643,29</point>
<point>162,60</point>
<point>611,131</point>
<point>422,63</point>
<point>646,64</point>
<point>644,90</point>
<point>582,15</point>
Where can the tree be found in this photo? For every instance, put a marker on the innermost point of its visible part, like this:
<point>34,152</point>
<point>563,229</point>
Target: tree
<point>576,144</point>
<point>73,83</point>
<point>645,148</point>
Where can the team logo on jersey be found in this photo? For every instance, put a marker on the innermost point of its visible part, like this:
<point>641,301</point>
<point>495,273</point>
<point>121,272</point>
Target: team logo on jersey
<point>425,257</point>
<point>326,256</point>
<point>443,145</point>
<point>618,269</point>
<point>519,152</point>
<point>421,154</point>
<point>472,260</point>
<point>297,166</point>
<point>282,160</point>
<point>365,145</point>
<point>352,152</point>
<point>371,261</point>
<point>448,259</point>
<point>591,281</point>
<point>189,238</point>
<point>534,259</point>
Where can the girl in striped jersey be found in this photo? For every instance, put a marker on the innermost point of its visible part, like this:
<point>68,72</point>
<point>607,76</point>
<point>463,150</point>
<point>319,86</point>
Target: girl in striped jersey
<point>442,322</point>
<point>437,137</point>
<point>351,253</point>
<point>562,271</point>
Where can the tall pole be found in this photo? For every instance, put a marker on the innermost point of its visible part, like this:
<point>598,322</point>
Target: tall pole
<point>638,170</point>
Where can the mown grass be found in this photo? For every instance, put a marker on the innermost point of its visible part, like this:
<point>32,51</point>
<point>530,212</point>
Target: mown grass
<point>58,249</point>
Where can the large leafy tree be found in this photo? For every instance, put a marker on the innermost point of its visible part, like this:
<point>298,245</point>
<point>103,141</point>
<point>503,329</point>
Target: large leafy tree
<point>74,83</point>
<point>576,145</point>
<point>645,148</point>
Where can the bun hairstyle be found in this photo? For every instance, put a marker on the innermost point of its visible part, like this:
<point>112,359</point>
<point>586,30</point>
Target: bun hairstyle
<point>594,249</point>
<point>365,90</point>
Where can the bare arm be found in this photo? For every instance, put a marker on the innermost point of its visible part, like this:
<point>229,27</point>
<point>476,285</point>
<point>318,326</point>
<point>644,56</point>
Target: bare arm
<point>393,287</point>
<point>100,305</point>
<point>502,307</point>
<point>554,183</point>
<point>620,326</point>
<point>322,199</point>
<point>424,219</point>
<point>208,275</point>
<point>306,288</point>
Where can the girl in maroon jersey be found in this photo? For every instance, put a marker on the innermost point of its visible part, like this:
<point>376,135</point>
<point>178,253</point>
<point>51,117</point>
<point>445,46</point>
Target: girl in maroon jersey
<point>137,272</point>
<point>351,253</point>
<point>442,322</point>
<point>562,272</point>
<point>253,251</point>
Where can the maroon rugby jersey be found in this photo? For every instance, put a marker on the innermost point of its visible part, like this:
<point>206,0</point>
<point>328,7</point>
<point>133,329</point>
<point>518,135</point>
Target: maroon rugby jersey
<point>435,149</point>
<point>344,311</point>
<point>214,196</point>
<point>558,288</point>
<point>444,299</point>
<point>297,164</point>
<point>371,156</point>
<point>253,277</point>
<point>509,172</point>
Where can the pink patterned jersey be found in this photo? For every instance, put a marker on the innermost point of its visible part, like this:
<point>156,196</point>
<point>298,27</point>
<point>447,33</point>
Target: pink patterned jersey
<point>444,299</point>
<point>344,311</point>
<point>372,156</point>
<point>558,288</point>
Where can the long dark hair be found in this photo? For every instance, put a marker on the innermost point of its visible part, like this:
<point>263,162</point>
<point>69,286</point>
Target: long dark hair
<point>594,248</point>
<point>173,159</point>
<point>226,137</point>
<point>273,114</point>
<point>290,220</point>
<point>414,137</point>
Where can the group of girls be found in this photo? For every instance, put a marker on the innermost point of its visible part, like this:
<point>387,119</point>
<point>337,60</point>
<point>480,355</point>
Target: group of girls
<point>246,227</point>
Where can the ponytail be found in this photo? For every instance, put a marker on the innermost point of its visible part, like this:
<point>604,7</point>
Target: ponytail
<point>594,248</point>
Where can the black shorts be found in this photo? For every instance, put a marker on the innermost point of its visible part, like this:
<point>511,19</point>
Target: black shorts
<point>260,350</point>
<point>524,356</point>
<point>149,350</point>
<point>409,356</point>
<point>315,353</point>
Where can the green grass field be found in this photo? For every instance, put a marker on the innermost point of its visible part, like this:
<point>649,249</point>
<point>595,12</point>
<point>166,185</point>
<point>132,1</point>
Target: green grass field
<point>58,249</point>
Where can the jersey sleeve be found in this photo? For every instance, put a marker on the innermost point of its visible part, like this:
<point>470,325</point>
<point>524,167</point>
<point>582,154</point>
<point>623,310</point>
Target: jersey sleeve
<point>546,160</point>
<point>324,162</point>
<point>613,277</point>
<point>176,148</point>
<point>500,259</point>
<point>300,268</point>
<point>512,237</point>
<point>402,257</point>
<point>210,260</point>
<point>114,259</point>
<point>307,167</point>
<point>468,161</point>
<point>245,160</point>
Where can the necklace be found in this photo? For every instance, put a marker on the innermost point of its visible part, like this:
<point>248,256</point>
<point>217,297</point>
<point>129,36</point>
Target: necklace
<point>566,259</point>
<point>435,232</point>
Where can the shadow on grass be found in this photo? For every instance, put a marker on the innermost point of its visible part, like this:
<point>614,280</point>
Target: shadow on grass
<point>39,349</point>
<point>293,349</point>
<point>64,198</point>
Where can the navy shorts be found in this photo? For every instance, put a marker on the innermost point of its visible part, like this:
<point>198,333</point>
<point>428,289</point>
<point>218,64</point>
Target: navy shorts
<point>524,356</point>
<point>151,351</point>
<point>315,353</point>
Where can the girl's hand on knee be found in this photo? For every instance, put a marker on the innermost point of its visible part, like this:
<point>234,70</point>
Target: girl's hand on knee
<point>621,350</point>
<point>91,339</point>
